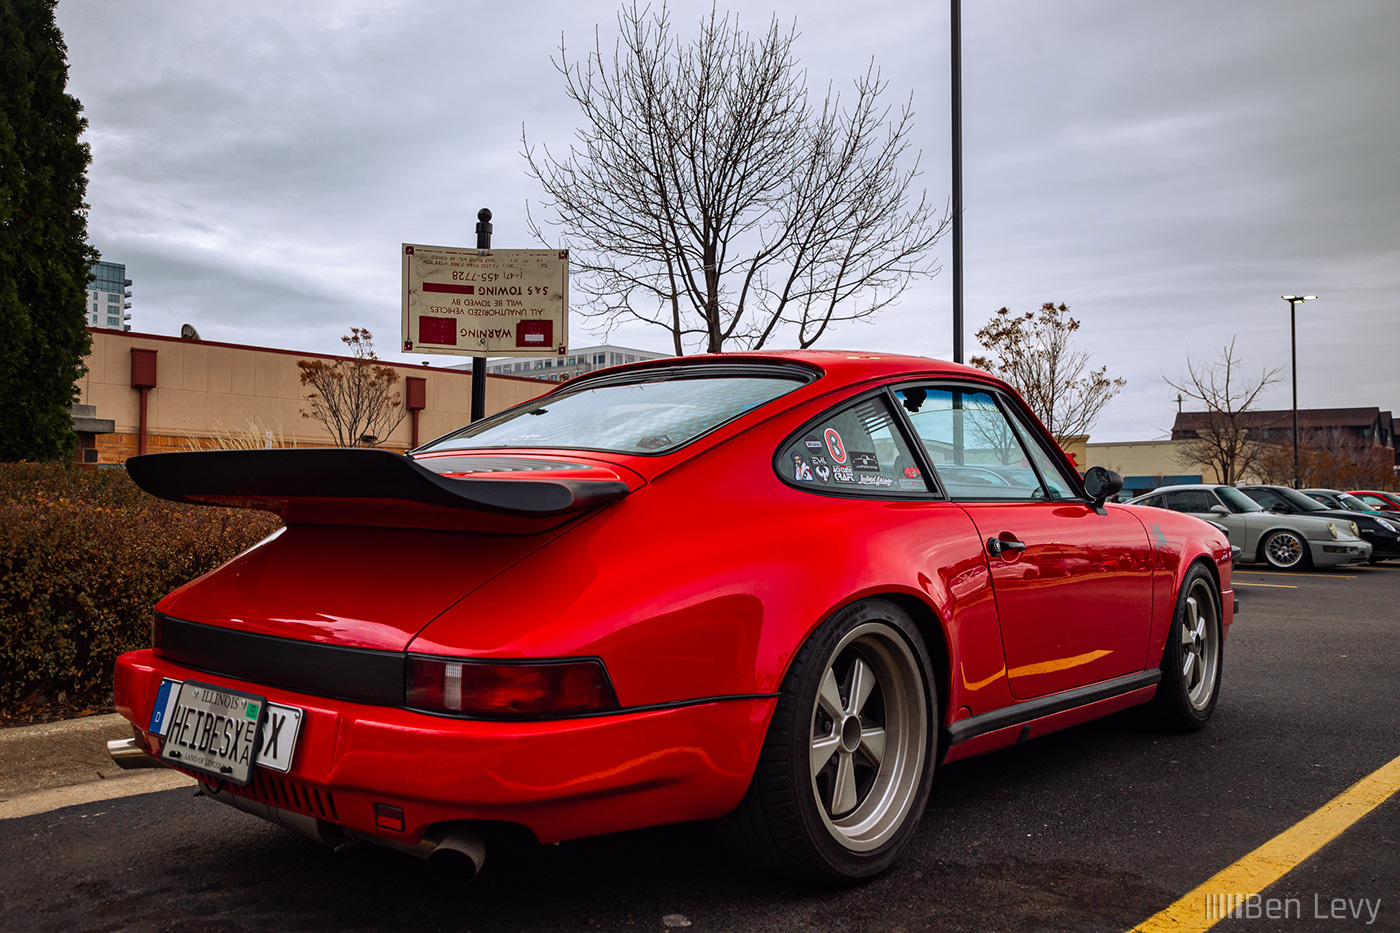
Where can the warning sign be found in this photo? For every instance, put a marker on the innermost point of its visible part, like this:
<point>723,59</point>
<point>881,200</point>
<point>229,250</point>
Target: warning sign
<point>501,302</point>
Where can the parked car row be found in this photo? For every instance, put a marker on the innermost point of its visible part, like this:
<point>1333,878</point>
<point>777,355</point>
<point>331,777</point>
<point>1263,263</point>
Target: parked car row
<point>1381,534</point>
<point>1282,540</point>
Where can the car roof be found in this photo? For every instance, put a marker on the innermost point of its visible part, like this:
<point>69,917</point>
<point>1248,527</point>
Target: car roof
<point>840,365</point>
<point>1181,486</point>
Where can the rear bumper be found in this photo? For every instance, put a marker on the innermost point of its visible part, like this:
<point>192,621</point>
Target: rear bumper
<point>561,779</point>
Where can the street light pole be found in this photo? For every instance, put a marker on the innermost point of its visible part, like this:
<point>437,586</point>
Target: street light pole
<point>955,30</point>
<point>1293,343</point>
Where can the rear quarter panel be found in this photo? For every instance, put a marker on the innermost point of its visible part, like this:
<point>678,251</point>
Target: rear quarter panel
<point>706,582</point>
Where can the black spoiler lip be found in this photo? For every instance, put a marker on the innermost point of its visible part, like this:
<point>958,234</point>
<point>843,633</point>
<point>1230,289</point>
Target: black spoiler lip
<point>273,479</point>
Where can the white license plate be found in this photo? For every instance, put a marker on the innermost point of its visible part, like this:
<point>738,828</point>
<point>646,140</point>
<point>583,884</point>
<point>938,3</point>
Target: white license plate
<point>192,712</point>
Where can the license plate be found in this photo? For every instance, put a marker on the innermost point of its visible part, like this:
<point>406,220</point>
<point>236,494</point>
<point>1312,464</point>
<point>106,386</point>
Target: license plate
<point>223,732</point>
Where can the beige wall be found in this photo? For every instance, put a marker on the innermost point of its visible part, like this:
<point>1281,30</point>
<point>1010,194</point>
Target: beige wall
<point>1146,458</point>
<point>205,389</point>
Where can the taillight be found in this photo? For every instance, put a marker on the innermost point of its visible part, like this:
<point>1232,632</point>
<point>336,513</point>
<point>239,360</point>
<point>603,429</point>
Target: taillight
<point>496,689</point>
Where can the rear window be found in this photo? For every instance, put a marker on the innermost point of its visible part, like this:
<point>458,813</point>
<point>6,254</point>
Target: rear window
<point>641,417</point>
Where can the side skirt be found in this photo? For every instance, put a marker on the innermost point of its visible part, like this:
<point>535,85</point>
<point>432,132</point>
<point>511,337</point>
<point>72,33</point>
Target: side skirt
<point>1018,722</point>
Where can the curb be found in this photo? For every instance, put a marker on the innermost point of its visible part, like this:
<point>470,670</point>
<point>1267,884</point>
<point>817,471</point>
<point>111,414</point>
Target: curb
<point>58,754</point>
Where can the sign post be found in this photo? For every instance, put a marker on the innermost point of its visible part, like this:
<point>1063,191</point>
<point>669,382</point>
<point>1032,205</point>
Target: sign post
<point>483,245</point>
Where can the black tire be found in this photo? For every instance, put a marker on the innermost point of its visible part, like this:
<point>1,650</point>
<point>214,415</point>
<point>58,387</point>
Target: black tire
<point>850,819</point>
<point>1286,550</point>
<point>1193,656</point>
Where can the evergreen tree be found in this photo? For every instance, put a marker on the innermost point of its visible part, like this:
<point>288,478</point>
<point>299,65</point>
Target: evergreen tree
<point>45,260</point>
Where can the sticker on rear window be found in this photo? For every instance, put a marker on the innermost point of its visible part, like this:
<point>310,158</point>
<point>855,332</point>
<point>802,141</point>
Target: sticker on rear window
<point>834,446</point>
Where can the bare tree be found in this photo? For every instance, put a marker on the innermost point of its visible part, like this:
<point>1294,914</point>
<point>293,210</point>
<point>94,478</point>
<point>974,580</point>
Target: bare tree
<point>354,398</point>
<point>705,195</point>
<point>1222,439</point>
<point>1329,458</point>
<point>1032,352</point>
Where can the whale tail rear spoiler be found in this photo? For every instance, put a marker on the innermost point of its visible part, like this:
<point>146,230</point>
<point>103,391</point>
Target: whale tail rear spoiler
<point>354,486</point>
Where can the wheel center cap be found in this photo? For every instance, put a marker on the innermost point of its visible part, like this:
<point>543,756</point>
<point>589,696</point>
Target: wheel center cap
<point>850,733</point>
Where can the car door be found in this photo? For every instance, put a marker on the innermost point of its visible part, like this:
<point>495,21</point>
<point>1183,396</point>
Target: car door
<point>1073,587</point>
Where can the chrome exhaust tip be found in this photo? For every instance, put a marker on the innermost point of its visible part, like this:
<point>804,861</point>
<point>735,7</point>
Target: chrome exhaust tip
<point>129,756</point>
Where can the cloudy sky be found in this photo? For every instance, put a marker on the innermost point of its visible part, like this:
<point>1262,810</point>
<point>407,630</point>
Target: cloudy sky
<point>1168,169</point>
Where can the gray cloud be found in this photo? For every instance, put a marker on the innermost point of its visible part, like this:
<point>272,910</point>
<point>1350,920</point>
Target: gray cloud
<point>1166,169</point>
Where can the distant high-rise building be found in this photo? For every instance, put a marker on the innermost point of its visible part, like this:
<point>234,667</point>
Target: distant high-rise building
<point>109,297</point>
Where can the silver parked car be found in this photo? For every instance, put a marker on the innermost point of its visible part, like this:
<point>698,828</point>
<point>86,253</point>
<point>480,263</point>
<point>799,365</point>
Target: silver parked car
<point>1287,542</point>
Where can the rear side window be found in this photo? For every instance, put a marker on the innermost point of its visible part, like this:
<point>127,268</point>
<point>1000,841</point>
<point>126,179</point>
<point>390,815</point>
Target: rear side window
<point>1237,501</point>
<point>857,450</point>
<point>1265,497</point>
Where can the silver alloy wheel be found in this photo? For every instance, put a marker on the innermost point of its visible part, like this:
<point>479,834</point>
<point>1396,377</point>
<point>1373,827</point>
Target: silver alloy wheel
<point>869,736</point>
<point>1284,549</point>
<point>1200,645</point>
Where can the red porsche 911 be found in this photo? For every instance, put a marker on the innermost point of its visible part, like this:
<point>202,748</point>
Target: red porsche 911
<point>770,589</point>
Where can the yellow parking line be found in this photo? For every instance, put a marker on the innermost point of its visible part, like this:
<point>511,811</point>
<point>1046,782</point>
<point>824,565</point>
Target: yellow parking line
<point>1276,586</point>
<point>1228,891</point>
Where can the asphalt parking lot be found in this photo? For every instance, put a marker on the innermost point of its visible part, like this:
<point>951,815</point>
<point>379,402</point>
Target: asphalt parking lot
<point>1098,828</point>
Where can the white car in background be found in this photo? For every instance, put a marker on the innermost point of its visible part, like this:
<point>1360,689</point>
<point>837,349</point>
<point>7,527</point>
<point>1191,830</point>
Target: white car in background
<point>1286,542</point>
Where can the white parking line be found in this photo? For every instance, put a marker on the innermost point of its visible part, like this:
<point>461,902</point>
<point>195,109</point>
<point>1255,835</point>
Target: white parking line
<point>128,785</point>
<point>1290,573</point>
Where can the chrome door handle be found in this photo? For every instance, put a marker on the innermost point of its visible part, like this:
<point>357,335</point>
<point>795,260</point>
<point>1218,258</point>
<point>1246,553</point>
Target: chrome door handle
<point>995,546</point>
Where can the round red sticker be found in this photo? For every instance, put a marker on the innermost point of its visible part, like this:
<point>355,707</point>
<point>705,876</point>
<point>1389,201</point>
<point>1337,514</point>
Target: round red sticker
<point>834,445</point>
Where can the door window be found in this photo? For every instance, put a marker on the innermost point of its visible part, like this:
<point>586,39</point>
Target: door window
<point>979,453</point>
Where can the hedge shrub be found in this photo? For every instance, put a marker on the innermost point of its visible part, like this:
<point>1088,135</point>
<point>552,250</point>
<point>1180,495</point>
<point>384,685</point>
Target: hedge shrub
<point>84,555</point>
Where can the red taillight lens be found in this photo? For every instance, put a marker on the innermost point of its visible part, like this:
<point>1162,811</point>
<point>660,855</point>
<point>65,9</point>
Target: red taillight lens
<point>489,689</point>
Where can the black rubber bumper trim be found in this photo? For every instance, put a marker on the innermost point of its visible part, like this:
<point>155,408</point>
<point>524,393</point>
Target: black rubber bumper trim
<point>361,675</point>
<point>1019,713</point>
